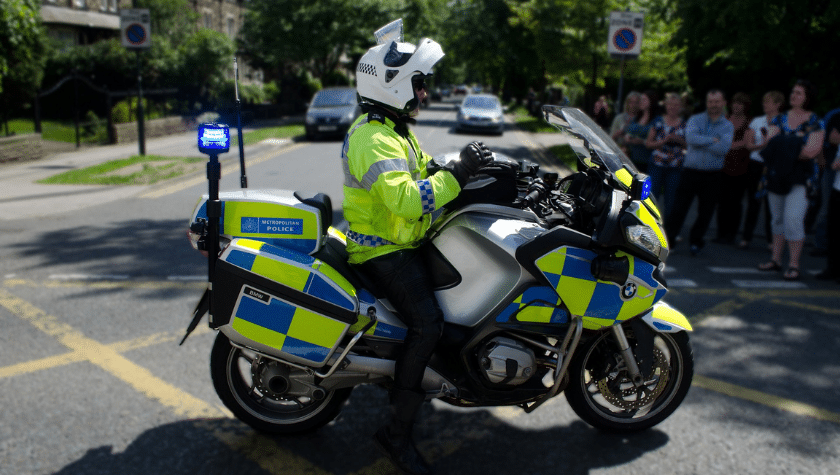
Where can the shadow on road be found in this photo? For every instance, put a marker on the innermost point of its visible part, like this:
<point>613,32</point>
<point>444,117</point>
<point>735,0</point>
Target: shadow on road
<point>456,442</point>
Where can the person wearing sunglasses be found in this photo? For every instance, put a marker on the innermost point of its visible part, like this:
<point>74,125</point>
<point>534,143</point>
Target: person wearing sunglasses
<point>389,198</point>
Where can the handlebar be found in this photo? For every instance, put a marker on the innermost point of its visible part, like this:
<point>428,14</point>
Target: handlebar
<point>532,198</point>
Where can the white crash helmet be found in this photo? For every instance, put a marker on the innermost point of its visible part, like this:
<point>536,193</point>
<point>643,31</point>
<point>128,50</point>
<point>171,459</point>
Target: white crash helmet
<point>384,74</point>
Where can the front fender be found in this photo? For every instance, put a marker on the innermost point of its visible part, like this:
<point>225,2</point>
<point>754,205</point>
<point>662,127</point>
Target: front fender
<point>666,319</point>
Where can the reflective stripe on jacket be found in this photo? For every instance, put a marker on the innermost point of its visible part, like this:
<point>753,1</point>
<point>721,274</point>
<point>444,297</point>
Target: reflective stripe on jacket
<point>388,195</point>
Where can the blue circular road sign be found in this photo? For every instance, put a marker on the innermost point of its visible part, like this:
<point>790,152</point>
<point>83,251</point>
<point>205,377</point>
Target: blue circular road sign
<point>624,39</point>
<point>136,34</point>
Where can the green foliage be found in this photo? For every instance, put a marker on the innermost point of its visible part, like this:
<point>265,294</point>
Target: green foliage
<point>22,49</point>
<point>272,91</point>
<point>126,111</point>
<point>571,40</point>
<point>310,83</point>
<point>336,78</point>
<point>496,50</point>
<point>174,20</point>
<point>225,95</point>
<point>204,58</point>
<point>277,34</point>
<point>741,45</point>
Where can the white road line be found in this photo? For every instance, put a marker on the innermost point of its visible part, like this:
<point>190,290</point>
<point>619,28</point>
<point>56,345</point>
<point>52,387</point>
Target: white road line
<point>681,283</point>
<point>88,277</point>
<point>736,270</point>
<point>768,284</point>
<point>182,278</point>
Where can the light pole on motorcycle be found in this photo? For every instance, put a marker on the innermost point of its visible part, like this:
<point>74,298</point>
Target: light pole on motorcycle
<point>213,139</point>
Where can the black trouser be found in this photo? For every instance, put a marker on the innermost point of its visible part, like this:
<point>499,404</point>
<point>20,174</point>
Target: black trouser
<point>754,173</point>
<point>730,201</point>
<point>704,185</point>
<point>833,233</point>
<point>405,280</point>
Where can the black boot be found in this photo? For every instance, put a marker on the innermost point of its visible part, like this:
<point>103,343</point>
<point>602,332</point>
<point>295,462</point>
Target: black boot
<point>394,440</point>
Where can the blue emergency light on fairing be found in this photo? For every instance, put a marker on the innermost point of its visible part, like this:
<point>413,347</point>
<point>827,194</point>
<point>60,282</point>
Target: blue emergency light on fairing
<point>647,188</point>
<point>213,139</point>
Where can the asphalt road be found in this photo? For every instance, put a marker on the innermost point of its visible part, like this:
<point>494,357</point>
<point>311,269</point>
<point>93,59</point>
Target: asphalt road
<point>93,299</point>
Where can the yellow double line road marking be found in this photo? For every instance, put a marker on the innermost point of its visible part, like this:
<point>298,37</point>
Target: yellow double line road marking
<point>262,450</point>
<point>181,185</point>
<point>109,359</point>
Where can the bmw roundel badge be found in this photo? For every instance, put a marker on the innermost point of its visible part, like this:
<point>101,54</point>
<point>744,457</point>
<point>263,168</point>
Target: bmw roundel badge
<point>629,290</point>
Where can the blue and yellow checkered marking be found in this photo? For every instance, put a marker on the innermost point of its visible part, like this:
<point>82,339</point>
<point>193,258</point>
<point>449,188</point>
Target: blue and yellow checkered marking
<point>427,196</point>
<point>535,305</point>
<point>380,329</point>
<point>601,304</point>
<point>293,269</point>
<point>293,330</point>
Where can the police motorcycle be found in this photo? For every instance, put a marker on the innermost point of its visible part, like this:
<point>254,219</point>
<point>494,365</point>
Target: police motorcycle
<point>548,285</point>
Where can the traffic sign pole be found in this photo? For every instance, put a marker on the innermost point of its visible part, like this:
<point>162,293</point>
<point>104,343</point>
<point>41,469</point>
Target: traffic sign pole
<point>135,25</point>
<point>624,42</point>
<point>141,132</point>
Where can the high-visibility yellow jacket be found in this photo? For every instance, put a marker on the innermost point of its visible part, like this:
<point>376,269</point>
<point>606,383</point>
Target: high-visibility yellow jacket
<point>388,195</point>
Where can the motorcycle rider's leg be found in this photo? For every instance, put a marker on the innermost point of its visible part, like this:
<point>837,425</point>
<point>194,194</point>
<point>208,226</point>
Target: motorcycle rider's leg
<point>404,279</point>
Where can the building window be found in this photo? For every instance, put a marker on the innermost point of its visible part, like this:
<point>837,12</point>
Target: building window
<point>208,20</point>
<point>231,27</point>
<point>113,4</point>
<point>80,3</point>
<point>103,5</point>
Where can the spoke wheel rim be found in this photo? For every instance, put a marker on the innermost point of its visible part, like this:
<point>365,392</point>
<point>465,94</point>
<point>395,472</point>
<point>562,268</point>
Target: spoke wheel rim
<point>660,390</point>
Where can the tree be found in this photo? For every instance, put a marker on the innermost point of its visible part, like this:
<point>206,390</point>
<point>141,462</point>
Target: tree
<point>756,45</point>
<point>282,34</point>
<point>571,39</point>
<point>182,55</point>
<point>22,50</point>
<point>480,35</point>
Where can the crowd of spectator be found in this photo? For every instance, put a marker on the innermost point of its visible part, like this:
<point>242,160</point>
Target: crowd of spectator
<point>784,161</point>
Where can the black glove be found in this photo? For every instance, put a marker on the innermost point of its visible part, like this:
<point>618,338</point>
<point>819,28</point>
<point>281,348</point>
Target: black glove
<point>473,157</point>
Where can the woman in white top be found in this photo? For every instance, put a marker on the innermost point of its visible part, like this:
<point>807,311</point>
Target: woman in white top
<point>772,104</point>
<point>789,209</point>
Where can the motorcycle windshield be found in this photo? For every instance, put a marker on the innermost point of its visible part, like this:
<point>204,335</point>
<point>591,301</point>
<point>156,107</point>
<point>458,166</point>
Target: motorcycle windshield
<point>593,146</point>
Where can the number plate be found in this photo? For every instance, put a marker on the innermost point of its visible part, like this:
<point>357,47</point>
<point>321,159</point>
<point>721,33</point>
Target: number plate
<point>327,128</point>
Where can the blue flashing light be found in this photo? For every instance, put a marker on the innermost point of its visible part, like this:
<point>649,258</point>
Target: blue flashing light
<point>213,139</point>
<point>647,187</point>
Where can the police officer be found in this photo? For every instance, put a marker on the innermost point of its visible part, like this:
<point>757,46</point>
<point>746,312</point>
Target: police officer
<point>389,197</point>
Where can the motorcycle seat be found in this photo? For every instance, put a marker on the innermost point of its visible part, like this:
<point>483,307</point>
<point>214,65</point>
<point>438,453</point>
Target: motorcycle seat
<point>323,204</point>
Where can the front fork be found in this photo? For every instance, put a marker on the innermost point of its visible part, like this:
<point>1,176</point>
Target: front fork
<point>627,354</point>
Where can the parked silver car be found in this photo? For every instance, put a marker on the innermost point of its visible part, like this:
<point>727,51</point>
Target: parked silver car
<point>481,112</point>
<point>331,112</point>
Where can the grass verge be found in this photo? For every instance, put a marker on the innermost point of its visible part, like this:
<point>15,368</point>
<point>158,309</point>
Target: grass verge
<point>92,133</point>
<point>565,155</point>
<point>530,123</point>
<point>136,170</point>
<point>257,136</point>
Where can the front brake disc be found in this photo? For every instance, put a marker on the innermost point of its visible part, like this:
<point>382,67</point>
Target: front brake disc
<point>634,398</point>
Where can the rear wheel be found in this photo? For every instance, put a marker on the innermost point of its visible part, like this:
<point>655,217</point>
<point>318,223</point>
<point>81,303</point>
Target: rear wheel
<point>601,392</point>
<point>269,396</point>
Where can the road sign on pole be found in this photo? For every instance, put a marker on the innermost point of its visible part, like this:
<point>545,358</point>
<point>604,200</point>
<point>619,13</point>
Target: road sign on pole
<point>135,28</point>
<point>625,42</point>
<point>625,38</point>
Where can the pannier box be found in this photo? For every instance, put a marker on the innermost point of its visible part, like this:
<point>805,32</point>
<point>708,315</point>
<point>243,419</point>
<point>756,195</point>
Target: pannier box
<point>275,217</point>
<point>284,303</point>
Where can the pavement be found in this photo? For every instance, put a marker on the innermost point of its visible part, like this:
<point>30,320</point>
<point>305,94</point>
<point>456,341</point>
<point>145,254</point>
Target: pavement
<point>22,197</point>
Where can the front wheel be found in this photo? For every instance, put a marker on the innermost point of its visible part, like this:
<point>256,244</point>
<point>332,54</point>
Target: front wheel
<point>269,396</point>
<point>601,392</point>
